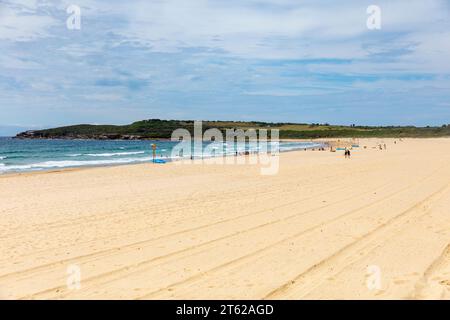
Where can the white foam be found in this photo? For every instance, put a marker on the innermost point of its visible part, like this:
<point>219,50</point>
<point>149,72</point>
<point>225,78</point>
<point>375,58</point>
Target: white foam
<point>109,154</point>
<point>306,145</point>
<point>283,146</point>
<point>112,154</point>
<point>66,164</point>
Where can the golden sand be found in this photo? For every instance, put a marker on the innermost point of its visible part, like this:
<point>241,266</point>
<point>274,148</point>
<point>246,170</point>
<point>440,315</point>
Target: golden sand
<point>376,226</point>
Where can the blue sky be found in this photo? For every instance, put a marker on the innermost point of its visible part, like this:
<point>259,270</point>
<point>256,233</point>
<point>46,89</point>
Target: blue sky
<point>269,60</point>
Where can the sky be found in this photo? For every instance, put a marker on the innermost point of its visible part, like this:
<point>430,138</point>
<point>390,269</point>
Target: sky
<point>311,61</point>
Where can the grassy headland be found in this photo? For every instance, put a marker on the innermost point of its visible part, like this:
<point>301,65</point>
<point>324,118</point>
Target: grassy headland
<point>162,129</point>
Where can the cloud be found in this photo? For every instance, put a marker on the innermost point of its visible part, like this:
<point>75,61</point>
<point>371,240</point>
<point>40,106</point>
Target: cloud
<point>276,29</point>
<point>103,97</point>
<point>132,84</point>
<point>285,59</point>
<point>21,21</point>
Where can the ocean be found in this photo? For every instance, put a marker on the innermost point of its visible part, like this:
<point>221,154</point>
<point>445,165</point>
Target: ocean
<point>36,155</point>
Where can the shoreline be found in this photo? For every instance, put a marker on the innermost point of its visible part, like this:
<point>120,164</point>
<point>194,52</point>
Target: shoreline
<point>137,162</point>
<point>327,143</point>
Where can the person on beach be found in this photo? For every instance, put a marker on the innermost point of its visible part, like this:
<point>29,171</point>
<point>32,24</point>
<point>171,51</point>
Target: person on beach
<point>347,153</point>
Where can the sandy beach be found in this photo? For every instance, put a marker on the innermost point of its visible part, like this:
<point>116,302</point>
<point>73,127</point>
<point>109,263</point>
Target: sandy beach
<point>376,226</point>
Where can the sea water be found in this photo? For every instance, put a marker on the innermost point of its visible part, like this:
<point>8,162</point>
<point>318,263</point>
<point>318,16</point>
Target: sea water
<point>35,155</point>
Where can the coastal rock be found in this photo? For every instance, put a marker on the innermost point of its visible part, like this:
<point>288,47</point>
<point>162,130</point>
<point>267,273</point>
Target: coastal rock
<point>30,134</point>
<point>33,134</point>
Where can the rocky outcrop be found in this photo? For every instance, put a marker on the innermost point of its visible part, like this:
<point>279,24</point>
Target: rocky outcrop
<point>32,134</point>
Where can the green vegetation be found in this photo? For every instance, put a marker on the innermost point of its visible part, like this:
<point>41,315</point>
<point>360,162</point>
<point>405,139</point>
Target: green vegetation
<point>162,129</point>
